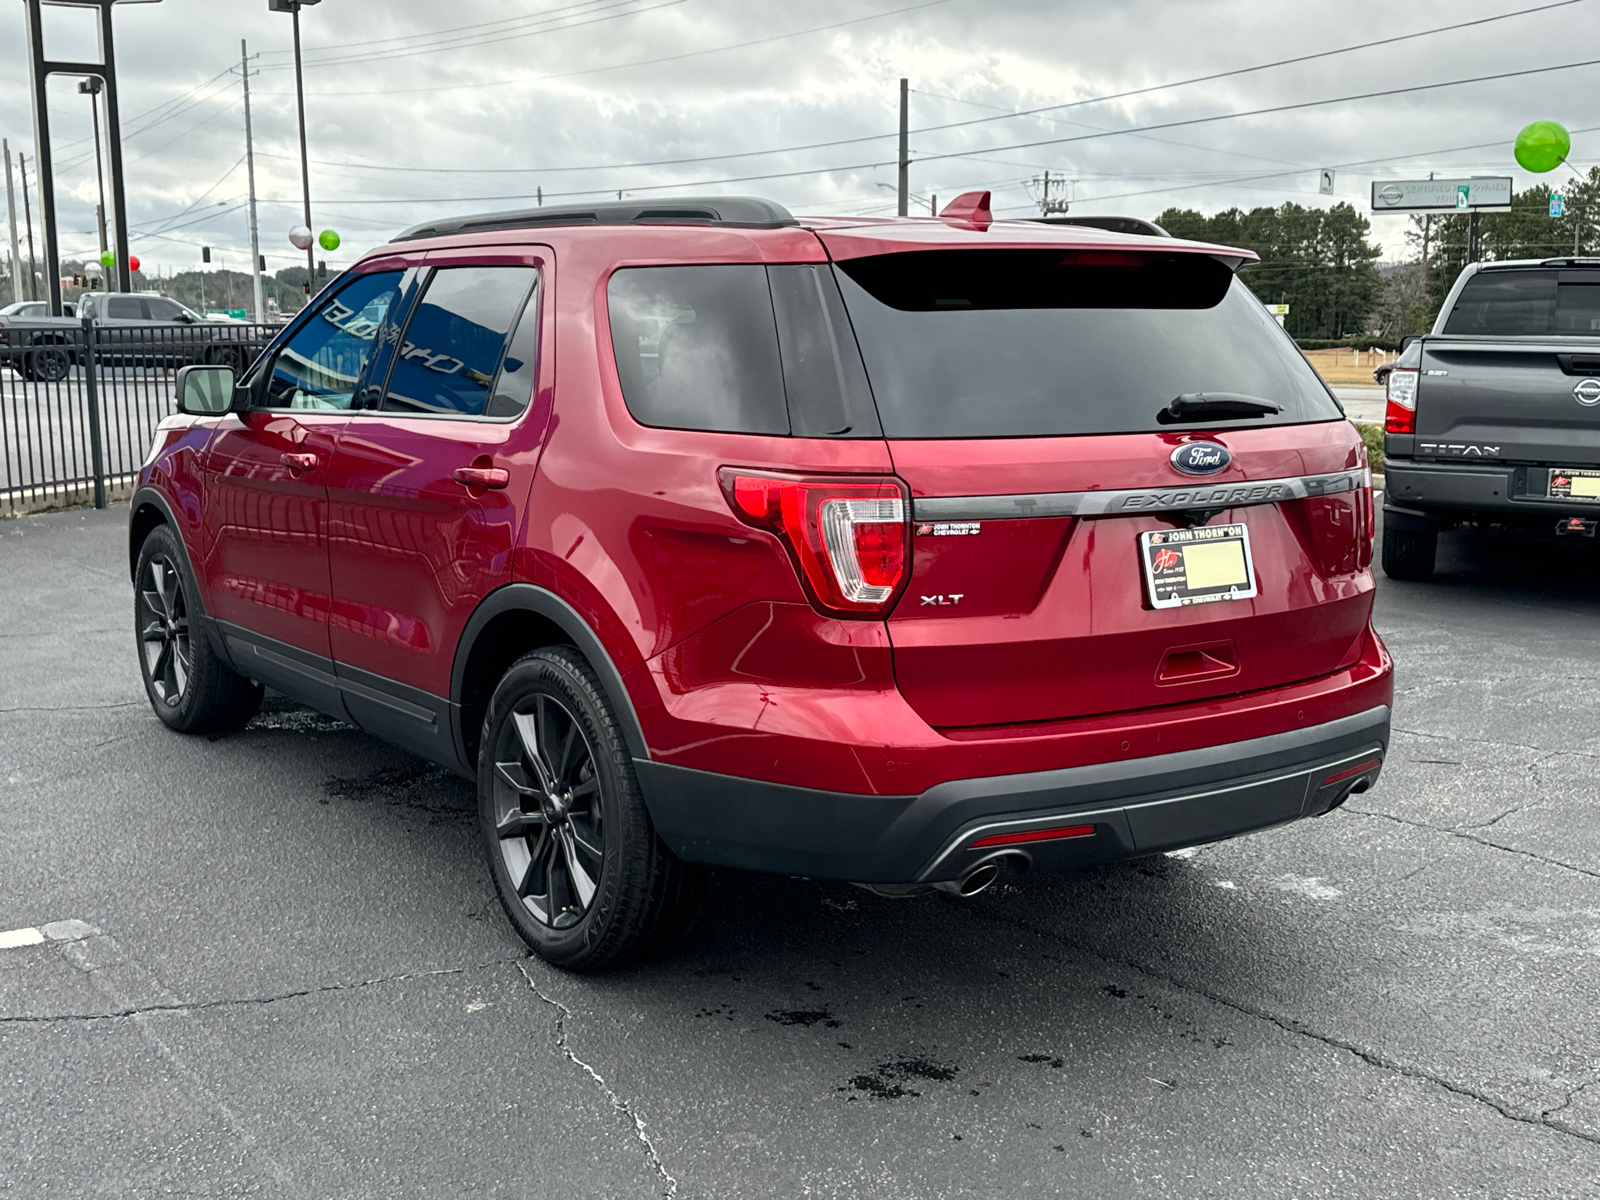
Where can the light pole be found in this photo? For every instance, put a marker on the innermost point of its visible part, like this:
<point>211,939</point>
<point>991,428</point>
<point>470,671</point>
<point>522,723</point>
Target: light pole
<point>40,70</point>
<point>293,8</point>
<point>91,87</point>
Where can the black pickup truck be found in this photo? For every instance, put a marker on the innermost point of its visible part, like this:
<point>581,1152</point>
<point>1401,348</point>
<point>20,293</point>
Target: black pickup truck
<point>1493,418</point>
<point>131,330</point>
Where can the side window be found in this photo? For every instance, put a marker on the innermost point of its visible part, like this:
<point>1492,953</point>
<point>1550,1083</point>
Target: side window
<point>124,308</point>
<point>319,366</point>
<point>161,309</point>
<point>697,347</point>
<point>822,370</point>
<point>451,351</point>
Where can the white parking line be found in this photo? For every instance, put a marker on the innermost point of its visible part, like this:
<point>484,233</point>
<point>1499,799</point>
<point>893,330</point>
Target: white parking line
<point>57,931</point>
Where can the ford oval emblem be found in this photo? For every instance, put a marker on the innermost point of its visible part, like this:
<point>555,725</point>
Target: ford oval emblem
<point>1201,458</point>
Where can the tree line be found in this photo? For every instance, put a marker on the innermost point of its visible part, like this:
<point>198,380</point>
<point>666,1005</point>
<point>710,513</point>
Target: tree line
<point>1320,263</point>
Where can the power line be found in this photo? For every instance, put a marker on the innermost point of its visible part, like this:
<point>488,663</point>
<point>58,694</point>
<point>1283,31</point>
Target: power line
<point>1282,62</point>
<point>647,62</point>
<point>1276,108</point>
<point>461,44</point>
<point>435,34</point>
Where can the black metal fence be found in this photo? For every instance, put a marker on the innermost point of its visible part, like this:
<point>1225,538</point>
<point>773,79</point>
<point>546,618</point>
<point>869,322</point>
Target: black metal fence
<point>79,402</point>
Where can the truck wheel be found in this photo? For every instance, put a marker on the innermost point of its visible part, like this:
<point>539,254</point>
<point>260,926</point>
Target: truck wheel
<point>190,688</point>
<point>575,859</point>
<point>48,364</point>
<point>1409,555</point>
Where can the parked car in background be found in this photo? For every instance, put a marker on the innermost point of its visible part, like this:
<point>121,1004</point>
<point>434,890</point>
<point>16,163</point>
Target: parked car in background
<point>894,551</point>
<point>24,309</point>
<point>1493,417</point>
<point>131,329</point>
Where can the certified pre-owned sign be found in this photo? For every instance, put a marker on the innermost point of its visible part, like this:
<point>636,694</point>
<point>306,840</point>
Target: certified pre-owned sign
<point>1434,195</point>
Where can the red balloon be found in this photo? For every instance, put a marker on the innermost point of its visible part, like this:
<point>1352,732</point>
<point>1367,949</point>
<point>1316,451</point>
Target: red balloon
<point>133,262</point>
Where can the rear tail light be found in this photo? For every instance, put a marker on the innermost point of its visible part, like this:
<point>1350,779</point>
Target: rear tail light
<point>1400,413</point>
<point>848,537</point>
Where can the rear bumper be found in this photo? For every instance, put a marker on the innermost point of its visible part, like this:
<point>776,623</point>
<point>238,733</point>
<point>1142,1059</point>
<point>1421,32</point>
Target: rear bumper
<point>1454,490</point>
<point>1135,807</point>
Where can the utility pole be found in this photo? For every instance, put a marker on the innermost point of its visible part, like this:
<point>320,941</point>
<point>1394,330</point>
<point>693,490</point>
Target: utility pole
<point>27,214</point>
<point>305,162</point>
<point>905,147</point>
<point>1047,204</point>
<point>250,172</point>
<point>11,212</point>
<point>91,87</point>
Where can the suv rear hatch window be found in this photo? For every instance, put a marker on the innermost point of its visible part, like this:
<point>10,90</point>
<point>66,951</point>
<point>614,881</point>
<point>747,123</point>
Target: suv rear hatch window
<point>1528,302</point>
<point>1010,381</point>
<point>1040,343</point>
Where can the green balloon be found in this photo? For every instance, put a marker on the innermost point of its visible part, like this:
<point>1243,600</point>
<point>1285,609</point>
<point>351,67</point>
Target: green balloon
<point>328,240</point>
<point>1542,146</point>
<point>107,259</point>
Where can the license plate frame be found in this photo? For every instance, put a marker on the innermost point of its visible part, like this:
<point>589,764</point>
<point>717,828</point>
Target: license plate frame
<point>1570,478</point>
<point>1216,566</point>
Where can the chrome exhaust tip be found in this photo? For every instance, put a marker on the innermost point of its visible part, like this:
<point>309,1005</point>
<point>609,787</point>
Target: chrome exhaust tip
<point>975,881</point>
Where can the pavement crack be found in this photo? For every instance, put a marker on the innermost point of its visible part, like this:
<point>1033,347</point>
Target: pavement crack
<point>617,1102</point>
<point>1289,1025</point>
<point>246,1001</point>
<point>1466,836</point>
<point>1452,737</point>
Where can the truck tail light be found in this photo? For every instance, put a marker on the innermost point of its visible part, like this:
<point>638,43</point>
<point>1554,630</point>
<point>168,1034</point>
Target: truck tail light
<point>847,537</point>
<point>1400,413</point>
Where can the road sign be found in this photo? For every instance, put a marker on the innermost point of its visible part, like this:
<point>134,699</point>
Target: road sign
<point>1556,208</point>
<point>1325,181</point>
<point>1278,310</point>
<point>1436,195</point>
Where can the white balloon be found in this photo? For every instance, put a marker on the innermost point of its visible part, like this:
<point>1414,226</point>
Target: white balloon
<point>300,237</point>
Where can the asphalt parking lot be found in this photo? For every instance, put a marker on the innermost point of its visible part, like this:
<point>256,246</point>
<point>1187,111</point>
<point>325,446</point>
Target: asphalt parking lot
<point>272,963</point>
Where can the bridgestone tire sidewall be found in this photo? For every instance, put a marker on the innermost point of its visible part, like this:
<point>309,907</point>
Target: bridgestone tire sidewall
<point>605,933</point>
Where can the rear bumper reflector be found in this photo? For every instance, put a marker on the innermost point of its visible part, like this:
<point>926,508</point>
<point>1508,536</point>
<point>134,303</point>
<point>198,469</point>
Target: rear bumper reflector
<point>1034,835</point>
<point>1351,772</point>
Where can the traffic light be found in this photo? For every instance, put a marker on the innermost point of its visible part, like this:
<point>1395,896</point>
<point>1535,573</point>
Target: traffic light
<point>205,253</point>
<point>305,287</point>
<point>263,260</point>
<point>322,268</point>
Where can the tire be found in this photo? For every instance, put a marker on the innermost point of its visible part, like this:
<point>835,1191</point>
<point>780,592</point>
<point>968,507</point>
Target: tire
<point>577,864</point>
<point>191,689</point>
<point>1409,555</point>
<point>48,363</point>
<point>225,356</point>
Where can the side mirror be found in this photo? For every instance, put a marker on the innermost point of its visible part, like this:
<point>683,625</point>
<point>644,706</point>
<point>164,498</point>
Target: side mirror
<point>1407,340</point>
<point>205,391</point>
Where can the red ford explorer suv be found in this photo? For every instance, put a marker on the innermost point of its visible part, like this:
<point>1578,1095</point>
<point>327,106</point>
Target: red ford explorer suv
<point>889,551</point>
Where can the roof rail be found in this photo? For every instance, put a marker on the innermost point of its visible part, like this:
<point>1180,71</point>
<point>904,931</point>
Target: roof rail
<point>740,212</point>
<point>1114,224</point>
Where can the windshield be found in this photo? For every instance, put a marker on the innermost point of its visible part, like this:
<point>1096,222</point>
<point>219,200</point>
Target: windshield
<point>1038,343</point>
<point>1531,301</point>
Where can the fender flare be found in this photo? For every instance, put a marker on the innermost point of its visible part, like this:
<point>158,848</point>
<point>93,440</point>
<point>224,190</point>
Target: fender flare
<point>530,598</point>
<point>153,497</point>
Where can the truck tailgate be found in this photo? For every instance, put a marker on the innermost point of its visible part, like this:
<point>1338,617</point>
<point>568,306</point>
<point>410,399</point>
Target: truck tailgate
<point>1518,401</point>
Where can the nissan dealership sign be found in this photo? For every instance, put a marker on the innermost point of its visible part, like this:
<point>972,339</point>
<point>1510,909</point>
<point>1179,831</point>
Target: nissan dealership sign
<point>1441,195</point>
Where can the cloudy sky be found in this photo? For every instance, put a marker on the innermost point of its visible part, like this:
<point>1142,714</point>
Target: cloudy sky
<point>419,108</point>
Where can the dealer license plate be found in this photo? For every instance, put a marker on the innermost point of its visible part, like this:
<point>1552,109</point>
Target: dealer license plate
<point>1575,483</point>
<point>1197,566</point>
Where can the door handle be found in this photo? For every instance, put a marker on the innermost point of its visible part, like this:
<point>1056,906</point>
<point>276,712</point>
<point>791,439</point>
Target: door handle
<point>298,462</point>
<point>483,477</point>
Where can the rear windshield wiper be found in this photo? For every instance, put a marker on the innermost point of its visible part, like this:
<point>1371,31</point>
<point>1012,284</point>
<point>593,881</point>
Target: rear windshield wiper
<point>1207,406</point>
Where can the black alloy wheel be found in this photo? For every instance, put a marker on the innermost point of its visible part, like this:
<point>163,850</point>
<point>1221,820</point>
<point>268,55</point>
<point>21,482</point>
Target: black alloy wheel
<point>577,864</point>
<point>163,616</point>
<point>191,689</point>
<point>548,813</point>
<point>49,363</point>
